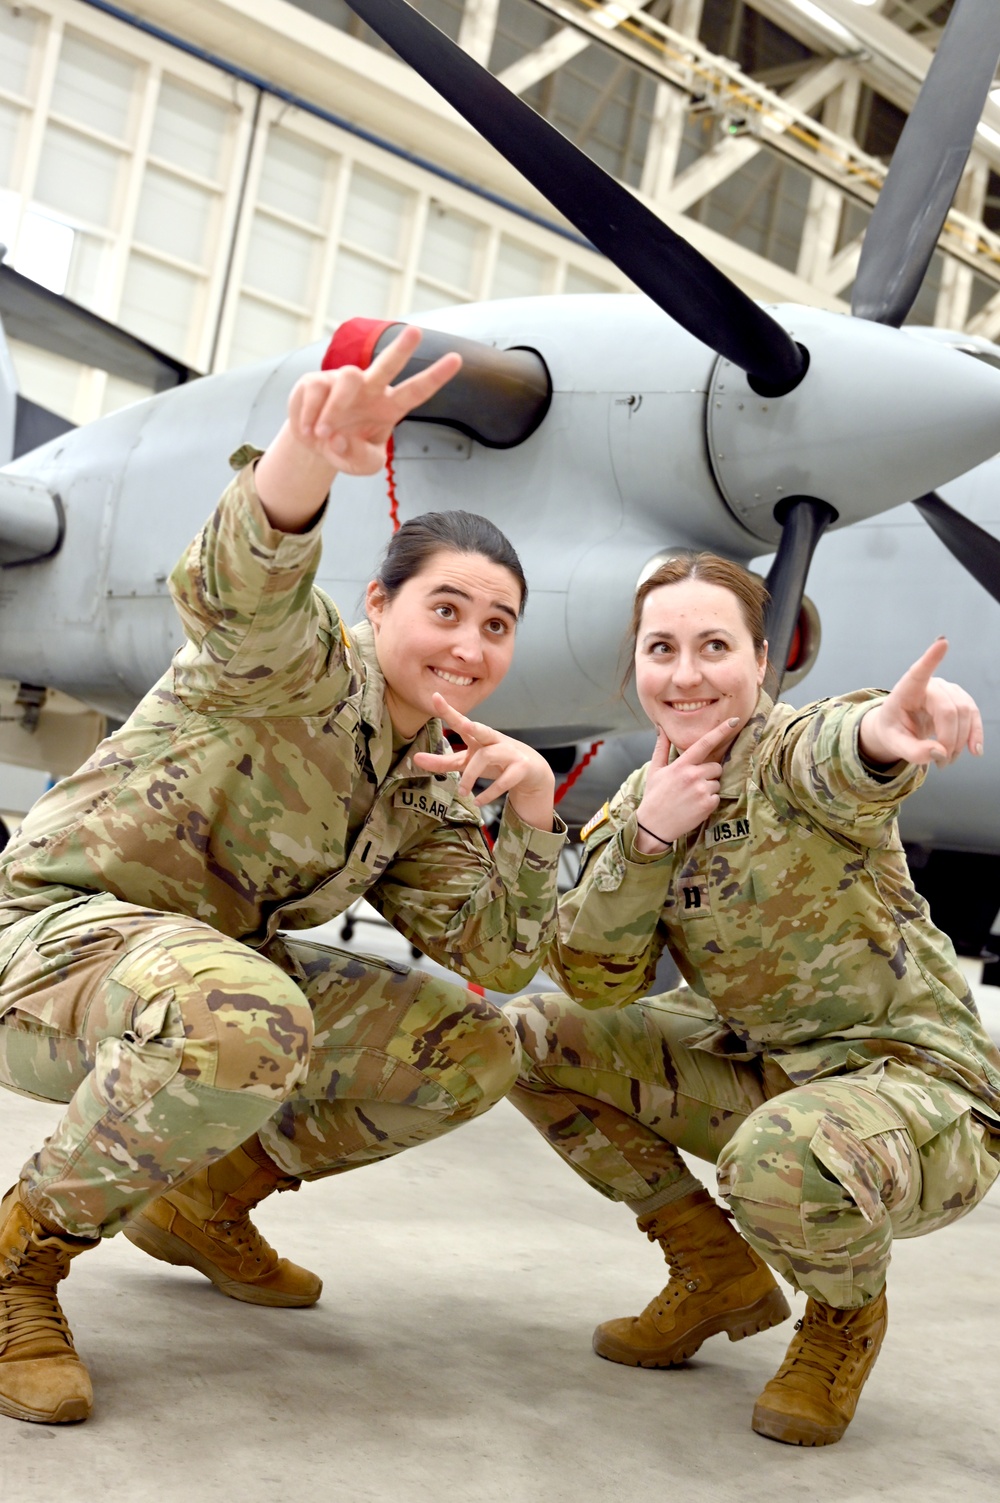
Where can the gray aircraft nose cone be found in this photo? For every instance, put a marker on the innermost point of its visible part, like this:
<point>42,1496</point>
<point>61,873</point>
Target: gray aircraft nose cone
<point>880,418</point>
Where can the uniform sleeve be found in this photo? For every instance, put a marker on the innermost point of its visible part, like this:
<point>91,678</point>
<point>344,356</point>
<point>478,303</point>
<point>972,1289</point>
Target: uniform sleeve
<point>815,765</point>
<point>486,915</point>
<point>259,634</point>
<point>609,938</point>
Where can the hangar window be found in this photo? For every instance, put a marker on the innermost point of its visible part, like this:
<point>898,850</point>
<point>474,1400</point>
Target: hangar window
<point>451,251</point>
<point>18,34</point>
<point>95,88</point>
<point>521,271</point>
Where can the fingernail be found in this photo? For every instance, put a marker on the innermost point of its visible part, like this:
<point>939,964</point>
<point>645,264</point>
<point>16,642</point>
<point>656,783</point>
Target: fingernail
<point>978,748</point>
<point>735,720</point>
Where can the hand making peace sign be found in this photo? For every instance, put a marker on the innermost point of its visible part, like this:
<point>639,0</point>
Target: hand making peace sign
<point>340,421</point>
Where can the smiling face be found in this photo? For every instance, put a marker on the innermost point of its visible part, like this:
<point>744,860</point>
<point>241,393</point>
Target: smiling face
<point>695,663</point>
<point>448,630</point>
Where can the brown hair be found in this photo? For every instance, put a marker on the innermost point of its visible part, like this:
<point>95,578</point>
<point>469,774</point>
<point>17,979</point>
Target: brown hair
<point>749,589</point>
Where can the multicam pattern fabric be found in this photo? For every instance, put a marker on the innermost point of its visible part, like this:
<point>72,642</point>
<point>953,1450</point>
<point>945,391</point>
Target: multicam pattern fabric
<point>820,1177</point>
<point>826,1052</point>
<point>791,911</point>
<point>256,787</point>
<point>227,795</point>
<point>173,1044</point>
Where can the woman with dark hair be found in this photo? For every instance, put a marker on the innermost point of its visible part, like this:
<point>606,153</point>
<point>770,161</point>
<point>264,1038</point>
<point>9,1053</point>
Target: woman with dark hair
<point>282,767</point>
<point>825,1052</point>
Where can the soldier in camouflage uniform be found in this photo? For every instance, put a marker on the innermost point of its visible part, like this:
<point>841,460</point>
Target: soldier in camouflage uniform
<point>825,1051</point>
<point>282,767</point>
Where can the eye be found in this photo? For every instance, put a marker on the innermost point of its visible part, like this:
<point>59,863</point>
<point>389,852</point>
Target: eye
<point>716,647</point>
<point>446,612</point>
<point>659,649</point>
<point>497,627</point>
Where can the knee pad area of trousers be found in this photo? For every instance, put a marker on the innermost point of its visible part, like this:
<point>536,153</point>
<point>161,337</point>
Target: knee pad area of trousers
<point>481,1041</point>
<point>246,1024</point>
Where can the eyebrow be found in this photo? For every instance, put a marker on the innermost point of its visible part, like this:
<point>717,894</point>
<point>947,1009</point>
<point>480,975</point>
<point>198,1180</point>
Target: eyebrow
<point>496,605</point>
<point>703,636</point>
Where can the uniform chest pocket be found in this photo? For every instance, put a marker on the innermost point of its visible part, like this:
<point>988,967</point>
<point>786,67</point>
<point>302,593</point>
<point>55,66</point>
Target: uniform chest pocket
<point>688,912</point>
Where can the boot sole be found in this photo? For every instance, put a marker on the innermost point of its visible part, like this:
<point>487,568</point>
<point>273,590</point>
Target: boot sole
<point>170,1249</point>
<point>791,1431</point>
<point>69,1412</point>
<point>737,1324</point>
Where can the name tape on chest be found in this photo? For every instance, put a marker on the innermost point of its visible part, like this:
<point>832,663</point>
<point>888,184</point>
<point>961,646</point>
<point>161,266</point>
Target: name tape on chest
<point>727,829</point>
<point>422,802</point>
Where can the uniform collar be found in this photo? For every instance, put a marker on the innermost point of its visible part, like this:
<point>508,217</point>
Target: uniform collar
<point>736,767</point>
<point>375,719</point>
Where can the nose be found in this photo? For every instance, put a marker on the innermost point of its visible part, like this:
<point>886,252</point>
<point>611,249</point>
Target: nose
<point>466,645</point>
<point>687,668</point>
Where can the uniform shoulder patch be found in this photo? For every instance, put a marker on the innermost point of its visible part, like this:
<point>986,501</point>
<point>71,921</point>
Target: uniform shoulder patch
<point>603,814</point>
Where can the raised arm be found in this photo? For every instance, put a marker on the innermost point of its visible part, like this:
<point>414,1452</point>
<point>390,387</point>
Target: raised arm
<point>340,421</point>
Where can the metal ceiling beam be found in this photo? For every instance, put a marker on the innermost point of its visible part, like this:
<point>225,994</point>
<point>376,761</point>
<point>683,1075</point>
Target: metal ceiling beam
<point>478,28</point>
<point>733,153</point>
<point>721,86</point>
<point>563,46</point>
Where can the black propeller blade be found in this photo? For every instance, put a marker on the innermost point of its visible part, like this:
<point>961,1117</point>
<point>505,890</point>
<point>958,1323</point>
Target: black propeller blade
<point>976,550</point>
<point>927,164</point>
<point>676,276</point>
<point>49,321</point>
<point>804,521</point>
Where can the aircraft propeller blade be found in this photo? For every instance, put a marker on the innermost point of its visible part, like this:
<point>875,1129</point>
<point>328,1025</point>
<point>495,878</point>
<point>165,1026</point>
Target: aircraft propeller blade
<point>49,321</point>
<point>661,263</point>
<point>975,548</point>
<point>927,165</point>
<point>804,521</point>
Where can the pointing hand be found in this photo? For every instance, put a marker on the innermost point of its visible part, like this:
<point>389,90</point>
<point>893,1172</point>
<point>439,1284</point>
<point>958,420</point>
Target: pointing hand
<point>923,719</point>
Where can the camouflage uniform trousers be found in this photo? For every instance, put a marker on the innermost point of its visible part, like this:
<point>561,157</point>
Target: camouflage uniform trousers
<point>173,1044</point>
<point>820,1177</point>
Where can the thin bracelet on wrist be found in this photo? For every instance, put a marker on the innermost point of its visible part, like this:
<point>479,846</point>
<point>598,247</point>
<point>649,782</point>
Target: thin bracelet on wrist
<point>653,835</point>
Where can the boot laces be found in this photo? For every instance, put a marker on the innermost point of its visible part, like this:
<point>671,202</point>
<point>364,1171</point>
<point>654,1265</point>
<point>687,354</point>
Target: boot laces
<point>32,1319</point>
<point>245,1240</point>
<point>823,1347</point>
<point>680,1274</point>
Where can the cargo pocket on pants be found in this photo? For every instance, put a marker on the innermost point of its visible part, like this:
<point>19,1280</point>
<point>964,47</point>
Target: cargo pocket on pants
<point>839,1184</point>
<point>130,1070</point>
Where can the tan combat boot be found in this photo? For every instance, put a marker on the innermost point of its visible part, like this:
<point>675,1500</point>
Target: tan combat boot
<point>41,1376</point>
<point>204,1223</point>
<point>812,1397</point>
<point>717,1283</point>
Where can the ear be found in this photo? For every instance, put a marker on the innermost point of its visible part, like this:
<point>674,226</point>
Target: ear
<point>375,603</point>
<point>762,665</point>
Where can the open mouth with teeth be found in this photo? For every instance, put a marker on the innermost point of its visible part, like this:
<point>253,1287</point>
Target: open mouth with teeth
<point>690,706</point>
<point>461,681</point>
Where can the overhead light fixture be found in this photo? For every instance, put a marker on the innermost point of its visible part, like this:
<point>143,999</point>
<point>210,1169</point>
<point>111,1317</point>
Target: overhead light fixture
<point>825,22</point>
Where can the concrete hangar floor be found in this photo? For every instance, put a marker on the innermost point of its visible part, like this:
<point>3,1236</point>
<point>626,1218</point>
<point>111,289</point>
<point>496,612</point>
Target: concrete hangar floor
<point>449,1357</point>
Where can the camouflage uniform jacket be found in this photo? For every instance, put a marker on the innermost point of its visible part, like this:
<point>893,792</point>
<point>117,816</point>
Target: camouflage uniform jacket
<point>790,911</point>
<point>227,794</point>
